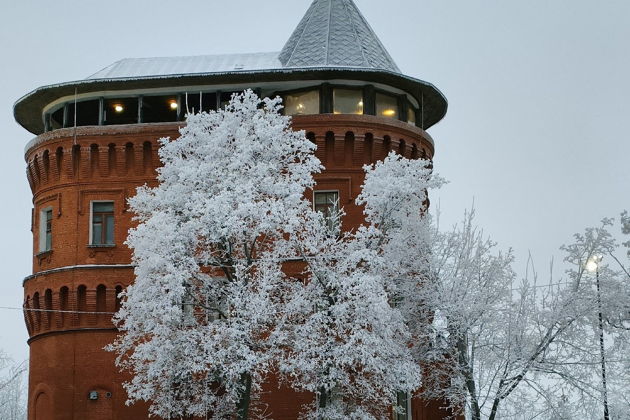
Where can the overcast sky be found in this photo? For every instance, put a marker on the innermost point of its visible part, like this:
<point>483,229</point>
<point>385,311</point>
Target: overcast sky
<point>536,131</point>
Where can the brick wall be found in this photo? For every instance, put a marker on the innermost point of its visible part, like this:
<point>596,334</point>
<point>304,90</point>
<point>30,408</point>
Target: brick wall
<point>67,169</point>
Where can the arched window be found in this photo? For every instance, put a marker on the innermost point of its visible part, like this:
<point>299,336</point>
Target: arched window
<point>348,148</point>
<point>76,159</point>
<point>48,306</point>
<point>63,304</point>
<point>387,146</point>
<point>36,171</point>
<point>37,312</point>
<point>129,158</point>
<point>147,156</point>
<point>46,162</point>
<point>368,147</point>
<point>43,407</point>
<point>101,301</point>
<point>28,314</point>
<point>329,148</point>
<point>59,161</point>
<point>81,303</point>
<point>94,159</point>
<point>402,148</point>
<point>111,159</point>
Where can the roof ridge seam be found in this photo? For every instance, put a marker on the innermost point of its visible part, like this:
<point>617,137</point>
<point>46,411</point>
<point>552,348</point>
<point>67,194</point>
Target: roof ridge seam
<point>299,38</point>
<point>391,60</point>
<point>111,66</point>
<point>356,35</point>
<point>330,6</point>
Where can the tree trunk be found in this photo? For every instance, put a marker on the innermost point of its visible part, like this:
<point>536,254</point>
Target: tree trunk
<point>244,399</point>
<point>495,408</point>
<point>471,386</point>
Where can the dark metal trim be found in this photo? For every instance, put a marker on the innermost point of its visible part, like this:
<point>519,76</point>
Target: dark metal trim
<point>28,109</point>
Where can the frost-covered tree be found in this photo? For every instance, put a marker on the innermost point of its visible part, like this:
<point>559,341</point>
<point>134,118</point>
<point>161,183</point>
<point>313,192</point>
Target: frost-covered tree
<point>197,323</point>
<point>351,343</point>
<point>12,389</point>
<point>526,350</point>
<point>237,278</point>
<point>216,307</point>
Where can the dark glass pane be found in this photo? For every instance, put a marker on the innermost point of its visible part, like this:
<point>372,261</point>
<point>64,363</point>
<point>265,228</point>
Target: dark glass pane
<point>56,119</point>
<point>48,241</point>
<point>109,229</point>
<point>302,103</point>
<point>121,111</point>
<point>225,98</point>
<point>206,101</point>
<point>159,108</point>
<point>87,113</point>
<point>326,201</point>
<point>209,101</point>
<point>348,101</point>
<point>97,232</point>
<point>102,207</point>
<point>411,115</point>
<point>386,106</point>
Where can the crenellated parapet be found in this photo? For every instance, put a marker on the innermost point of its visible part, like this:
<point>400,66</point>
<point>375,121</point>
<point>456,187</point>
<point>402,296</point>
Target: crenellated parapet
<point>92,154</point>
<point>74,298</point>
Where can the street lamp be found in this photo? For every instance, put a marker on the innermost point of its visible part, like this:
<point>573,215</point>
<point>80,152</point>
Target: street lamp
<point>592,265</point>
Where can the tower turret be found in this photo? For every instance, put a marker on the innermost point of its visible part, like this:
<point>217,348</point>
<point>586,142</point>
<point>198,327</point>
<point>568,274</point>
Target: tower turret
<point>96,141</point>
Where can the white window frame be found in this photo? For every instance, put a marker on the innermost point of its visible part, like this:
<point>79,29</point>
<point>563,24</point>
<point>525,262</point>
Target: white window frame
<point>42,229</point>
<point>337,229</point>
<point>325,192</point>
<point>407,415</point>
<point>90,239</point>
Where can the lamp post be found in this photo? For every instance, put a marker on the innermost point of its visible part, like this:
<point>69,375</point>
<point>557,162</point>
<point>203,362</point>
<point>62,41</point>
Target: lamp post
<point>593,266</point>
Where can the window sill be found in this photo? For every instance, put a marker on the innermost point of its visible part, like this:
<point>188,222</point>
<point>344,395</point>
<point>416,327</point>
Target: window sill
<point>44,256</point>
<point>101,246</point>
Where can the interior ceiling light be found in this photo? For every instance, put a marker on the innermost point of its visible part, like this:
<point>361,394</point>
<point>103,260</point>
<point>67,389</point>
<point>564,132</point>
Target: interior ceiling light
<point>118,108</point>
<point>173,104</point>
<point>389,112</point>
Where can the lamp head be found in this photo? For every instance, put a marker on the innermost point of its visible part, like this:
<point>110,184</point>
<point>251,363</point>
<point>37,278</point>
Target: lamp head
<point>593,263</point>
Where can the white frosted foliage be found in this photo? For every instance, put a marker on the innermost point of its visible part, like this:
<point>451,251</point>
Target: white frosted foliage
<point>214,311</point>
<point>196,321</point>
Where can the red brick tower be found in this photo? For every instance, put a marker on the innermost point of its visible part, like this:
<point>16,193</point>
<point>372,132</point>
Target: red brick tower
<point>96,141</point>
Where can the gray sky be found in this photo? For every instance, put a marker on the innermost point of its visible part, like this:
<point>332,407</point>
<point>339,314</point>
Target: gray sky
<point>538,97</point>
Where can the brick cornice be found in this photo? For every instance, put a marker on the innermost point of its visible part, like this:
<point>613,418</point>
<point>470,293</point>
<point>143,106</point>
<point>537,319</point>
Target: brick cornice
<point>77,267</point>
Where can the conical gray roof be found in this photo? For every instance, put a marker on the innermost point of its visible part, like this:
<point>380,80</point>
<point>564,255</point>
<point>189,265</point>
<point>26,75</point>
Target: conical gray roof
<point>335,33</point>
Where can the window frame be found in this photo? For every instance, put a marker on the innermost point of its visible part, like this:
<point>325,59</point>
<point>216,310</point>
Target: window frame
<point>45,229</point>
<point>358,88</point>
<point>394,96</point>
<point>103,242</point>
<point>407,415</point>
<point>334,229</point>
<point>325,89</point>
<point>284,93</point>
